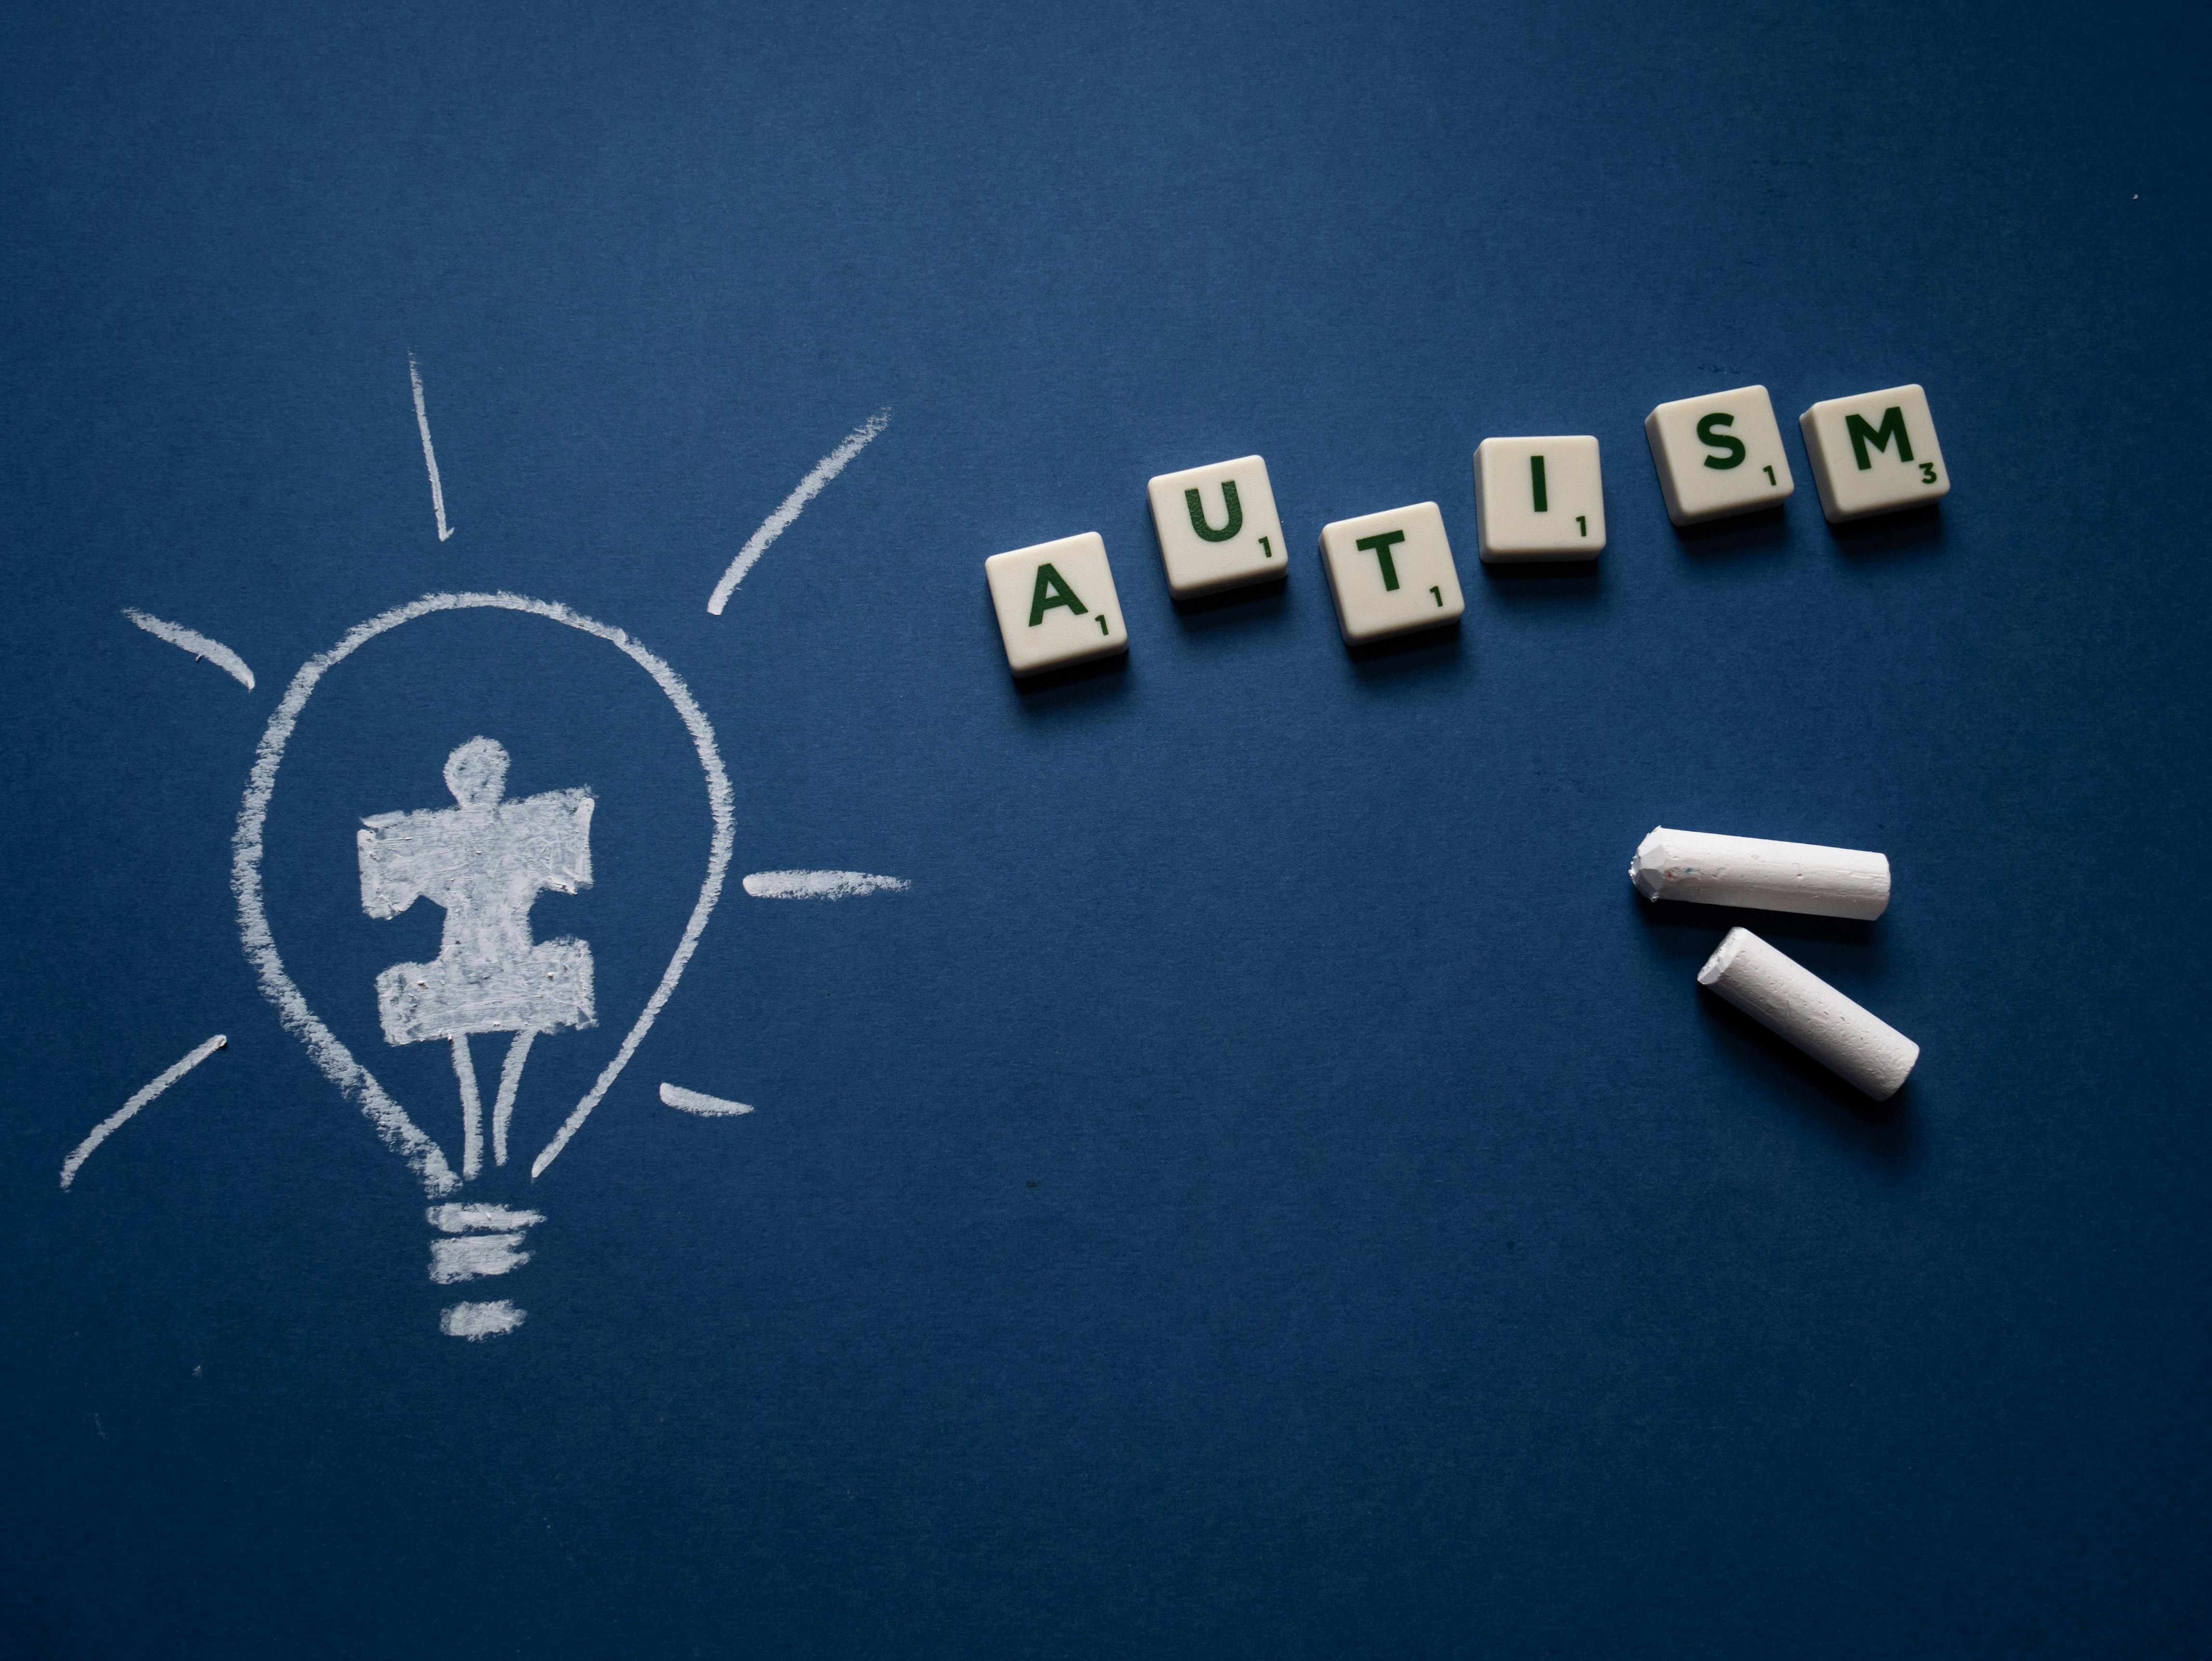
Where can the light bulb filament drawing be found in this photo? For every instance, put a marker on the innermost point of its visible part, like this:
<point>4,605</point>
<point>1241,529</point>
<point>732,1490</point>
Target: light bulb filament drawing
<point>485,860</point>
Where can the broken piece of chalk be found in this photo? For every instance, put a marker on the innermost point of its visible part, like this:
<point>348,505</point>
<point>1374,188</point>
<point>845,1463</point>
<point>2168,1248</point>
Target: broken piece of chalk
<point>1773,876</point>
<point>1782,993</point>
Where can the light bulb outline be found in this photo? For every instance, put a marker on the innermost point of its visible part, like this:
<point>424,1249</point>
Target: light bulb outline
<point>354,1080</point>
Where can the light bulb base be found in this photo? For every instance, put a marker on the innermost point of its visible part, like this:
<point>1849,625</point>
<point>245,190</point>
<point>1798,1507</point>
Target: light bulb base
<point>471,1243</point>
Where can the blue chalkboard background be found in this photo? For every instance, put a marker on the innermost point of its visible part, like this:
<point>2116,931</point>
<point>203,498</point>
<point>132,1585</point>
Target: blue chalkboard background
<point>1269,1187</point>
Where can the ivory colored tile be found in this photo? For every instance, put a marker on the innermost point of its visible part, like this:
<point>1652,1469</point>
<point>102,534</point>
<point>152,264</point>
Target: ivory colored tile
<point>1216,527</point>
<point>1539,498</point>
<point>1391,572</point>
<point>1718,454</point>
<point>1874,453</point>
<point>1056,604</point>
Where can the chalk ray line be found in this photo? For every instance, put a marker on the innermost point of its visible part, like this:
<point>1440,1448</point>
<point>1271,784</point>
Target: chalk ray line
<point>821,885</point>
<point>191,640</point>
<point>696,1101</point>
<point>429,455</point>
<point>780,521</point>
<point>115,1121</point>
<point>355,1082</point>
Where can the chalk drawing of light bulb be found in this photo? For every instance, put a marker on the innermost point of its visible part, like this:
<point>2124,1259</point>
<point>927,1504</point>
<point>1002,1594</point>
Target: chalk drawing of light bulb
<point>484,860</point>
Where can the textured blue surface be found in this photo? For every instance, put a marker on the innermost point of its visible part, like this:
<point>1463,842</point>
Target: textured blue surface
<point>1270,1188</point>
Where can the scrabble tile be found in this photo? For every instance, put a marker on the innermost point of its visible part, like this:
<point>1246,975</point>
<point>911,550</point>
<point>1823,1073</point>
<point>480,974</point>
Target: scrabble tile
<point>1391,572</point>
<point>1539,498</point>
<point>1718,454</point>
<point>1874,453</point>
<point>1216,527</point>
<point>1056,604</point>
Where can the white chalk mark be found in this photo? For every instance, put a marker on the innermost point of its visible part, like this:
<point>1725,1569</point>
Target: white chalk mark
<point>191,640</point>
<point>429,455</point>
<point>465,1073</point>
<point>821,885</point>
<point>459,1219</point>
<point>484,1239</point>
<point>108,1126</point>
<point>510,1080</point>
<point>691,1101</point>
<point>472,1256</point>
<point>484,862</point>
<point>477,1322</point>
<point>359,1086</point>
<point>780,521</point>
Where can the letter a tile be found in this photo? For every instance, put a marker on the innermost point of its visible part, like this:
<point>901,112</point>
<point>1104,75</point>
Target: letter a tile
<point>1056,604</point>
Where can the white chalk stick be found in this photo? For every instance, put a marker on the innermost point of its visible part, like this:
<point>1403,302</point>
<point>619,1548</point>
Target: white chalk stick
<point>1773,876</point>
<point>1782,993</point>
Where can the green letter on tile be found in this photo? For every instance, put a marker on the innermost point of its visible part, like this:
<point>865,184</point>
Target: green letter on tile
<point>1731,449</point>
<point>1893,426</point>
<point>1052,590</point>
<point>1381,546</point>
<point>1198,514</point>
